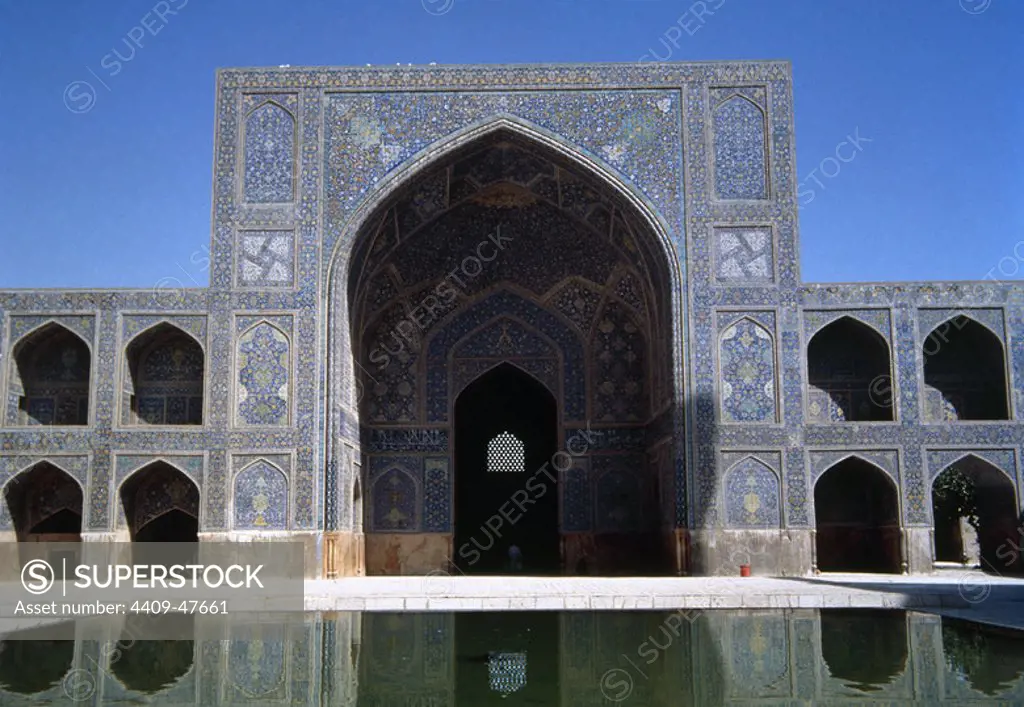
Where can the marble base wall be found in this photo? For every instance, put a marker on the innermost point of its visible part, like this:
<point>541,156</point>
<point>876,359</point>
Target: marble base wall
<point>918,553</point>
<point>10,561</point>
<point>618,553</point>
<point>344,555</point>
<point>311,542</point>
<point>407,553</point>
<point>721,551</point>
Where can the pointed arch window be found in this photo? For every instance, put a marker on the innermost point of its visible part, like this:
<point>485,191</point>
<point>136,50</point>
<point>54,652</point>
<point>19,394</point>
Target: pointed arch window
<point>506,453</point>
<point>49,382</point>
<point>164,381</point>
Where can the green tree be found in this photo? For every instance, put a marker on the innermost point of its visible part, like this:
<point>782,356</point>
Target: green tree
<point>954,490</point>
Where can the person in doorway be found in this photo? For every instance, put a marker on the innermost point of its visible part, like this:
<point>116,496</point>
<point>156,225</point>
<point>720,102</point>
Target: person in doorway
<point>515,558</point>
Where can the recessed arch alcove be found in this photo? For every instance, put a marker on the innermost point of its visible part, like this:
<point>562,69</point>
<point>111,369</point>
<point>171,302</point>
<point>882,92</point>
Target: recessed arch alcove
<point>975,516</point>
<point>856,515</point>
<point>502,246</point>
<point>45,503</point>
<point>161,505</point>
<point>163,380</point>
<point>50,376</point>
<point>964,372</point>
<point>850,362</point>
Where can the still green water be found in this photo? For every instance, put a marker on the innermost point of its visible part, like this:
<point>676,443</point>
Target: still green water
<point>541,658</point>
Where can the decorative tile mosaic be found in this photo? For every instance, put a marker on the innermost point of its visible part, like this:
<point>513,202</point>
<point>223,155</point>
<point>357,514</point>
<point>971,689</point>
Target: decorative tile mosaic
<point>744,255</point>
<point>20,325</point>
<point>49,378</point>
<point>577,497</point>
<point>134,324</point>
<point>618,359</point>
<point>886,460</point>
<point>35,490</point>
<point>740,150</point>
<point>752,496</point>
<point>437,495</point>
<point>173,484</point>
<point>264,372</point>
<point>1004,460</point>
<point>261,498</point>
<point>878,319</point>
<point>505,303</point>
<point>269,154</point>
<point>930,319</point>
<point>618,493</point>
<point>545,370</point>
<point>167,380</point>
<point>410,439</point>
<point>747,355</point>
<point>395,496</point>
<point>504,338</point>
<point>190,465</point>
<point>266,259</point>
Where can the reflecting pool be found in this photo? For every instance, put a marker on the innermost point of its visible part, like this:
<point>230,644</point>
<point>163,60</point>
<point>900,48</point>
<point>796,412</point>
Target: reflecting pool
<point>539,658</point>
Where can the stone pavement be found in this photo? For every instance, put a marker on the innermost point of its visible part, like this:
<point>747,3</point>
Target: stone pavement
<point>964,594</point>
<point>961,590</point>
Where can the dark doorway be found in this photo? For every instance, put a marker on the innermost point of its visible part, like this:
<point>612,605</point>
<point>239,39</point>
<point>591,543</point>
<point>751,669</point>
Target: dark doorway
<point>857,517</point>
<point>161,505</point>
<point>174,526</point>
<point>506,433</point>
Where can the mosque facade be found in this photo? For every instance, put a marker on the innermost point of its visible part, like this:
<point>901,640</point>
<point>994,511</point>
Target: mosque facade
<point>453,310</point>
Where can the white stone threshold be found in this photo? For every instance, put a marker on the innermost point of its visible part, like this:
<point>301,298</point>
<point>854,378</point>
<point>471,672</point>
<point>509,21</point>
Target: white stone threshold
<point>516,593</point>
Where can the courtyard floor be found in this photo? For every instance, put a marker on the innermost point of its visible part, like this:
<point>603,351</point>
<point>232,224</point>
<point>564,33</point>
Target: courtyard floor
<point>959,593</point>
<point>970,594</point>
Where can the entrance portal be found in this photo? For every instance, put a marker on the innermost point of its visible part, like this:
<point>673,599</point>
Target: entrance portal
<point>506,433</point>
<point>856,511</point>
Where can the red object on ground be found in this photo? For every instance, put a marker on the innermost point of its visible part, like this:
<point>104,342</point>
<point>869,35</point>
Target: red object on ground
<point>744,570</point>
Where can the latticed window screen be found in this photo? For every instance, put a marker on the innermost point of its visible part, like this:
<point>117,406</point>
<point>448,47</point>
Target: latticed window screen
<point>506,453</point>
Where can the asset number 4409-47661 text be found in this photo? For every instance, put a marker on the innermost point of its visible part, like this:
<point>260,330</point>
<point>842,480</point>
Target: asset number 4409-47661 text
<point>183,607</point>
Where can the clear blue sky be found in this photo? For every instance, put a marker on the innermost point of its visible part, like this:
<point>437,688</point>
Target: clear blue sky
<point>120,195</point>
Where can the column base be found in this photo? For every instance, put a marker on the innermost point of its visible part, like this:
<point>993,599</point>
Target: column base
<point>344,555</point>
